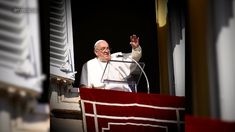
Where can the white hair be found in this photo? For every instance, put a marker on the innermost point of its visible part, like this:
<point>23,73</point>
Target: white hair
<point>99,41</point>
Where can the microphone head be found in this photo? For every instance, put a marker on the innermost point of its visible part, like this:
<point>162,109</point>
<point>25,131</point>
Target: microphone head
<point>119,55</point>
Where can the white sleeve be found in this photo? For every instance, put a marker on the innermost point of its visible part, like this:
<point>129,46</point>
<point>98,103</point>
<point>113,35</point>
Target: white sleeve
<point>136,53</point>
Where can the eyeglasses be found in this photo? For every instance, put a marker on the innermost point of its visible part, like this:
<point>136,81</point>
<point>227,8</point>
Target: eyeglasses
<point>104,49</point>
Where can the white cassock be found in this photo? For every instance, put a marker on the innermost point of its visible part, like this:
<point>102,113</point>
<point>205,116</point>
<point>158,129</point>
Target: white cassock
<point>92,71</point>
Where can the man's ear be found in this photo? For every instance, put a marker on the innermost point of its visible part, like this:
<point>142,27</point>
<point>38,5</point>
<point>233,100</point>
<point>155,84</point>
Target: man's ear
<point>95,51</point>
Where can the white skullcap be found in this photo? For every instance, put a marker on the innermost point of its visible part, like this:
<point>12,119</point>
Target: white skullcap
<point>97,42</point>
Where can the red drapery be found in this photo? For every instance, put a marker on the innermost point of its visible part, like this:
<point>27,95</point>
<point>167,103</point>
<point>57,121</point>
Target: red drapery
<point>206,124</point>
<point>114,111</point>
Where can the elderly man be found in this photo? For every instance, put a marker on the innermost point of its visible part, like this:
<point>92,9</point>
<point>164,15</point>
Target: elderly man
<point>92,70</point>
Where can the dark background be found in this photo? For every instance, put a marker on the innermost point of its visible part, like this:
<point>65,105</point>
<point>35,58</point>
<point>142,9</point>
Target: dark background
<point>45,47</point>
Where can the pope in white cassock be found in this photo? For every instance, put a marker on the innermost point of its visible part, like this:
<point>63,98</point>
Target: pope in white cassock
<point>92,70</point>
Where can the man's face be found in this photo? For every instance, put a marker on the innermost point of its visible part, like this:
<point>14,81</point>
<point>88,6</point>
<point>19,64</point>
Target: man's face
<point>102,51</point>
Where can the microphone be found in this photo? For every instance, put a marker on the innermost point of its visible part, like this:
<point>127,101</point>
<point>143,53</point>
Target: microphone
<point>140,69</point>
<point>119,56</point>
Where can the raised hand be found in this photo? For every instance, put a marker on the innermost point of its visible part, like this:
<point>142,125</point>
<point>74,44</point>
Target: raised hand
<point>134,41</point>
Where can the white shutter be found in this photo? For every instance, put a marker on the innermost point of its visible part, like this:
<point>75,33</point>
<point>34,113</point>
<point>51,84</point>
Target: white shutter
<point>20,63</point>
<point>61,40</point>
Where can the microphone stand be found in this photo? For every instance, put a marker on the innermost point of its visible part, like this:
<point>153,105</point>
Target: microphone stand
<point>141,70</point>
